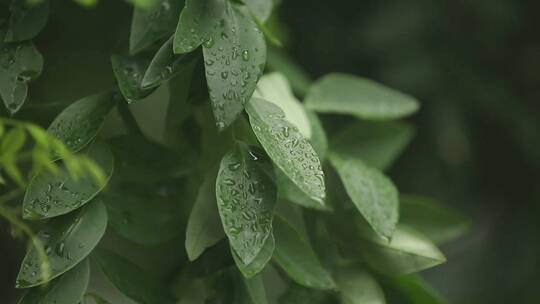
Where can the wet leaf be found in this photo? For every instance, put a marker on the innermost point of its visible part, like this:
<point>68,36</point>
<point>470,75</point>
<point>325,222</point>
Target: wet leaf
<point>262,9</point>
<point>234,52</point>
<point>131,279</point>
<point>432,218</point>
<point>67,241</point>
<point>152,24</point>
<point>289,191</point>
<point>78,124</point>
<point>361,97</point>
<point>26,20</point>
<point>287,147</point>
<point>296,257</point>
<point>49,195</point>
<point>204,227</point>
<point>19,64</point>
<point>357,286</point>
<point>318,138</point>
<point>246,196</point>
<point>129,72</point>
<point>258,264</point>
<point>165,65</point>
<point>66,289</point>
<point>275,88</point>
<point>407,252</point>
<point>373,194</point>
<point>376,144</point>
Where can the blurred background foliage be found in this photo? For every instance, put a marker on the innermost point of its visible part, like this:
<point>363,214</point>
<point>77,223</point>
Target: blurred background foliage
<point>475,67</point>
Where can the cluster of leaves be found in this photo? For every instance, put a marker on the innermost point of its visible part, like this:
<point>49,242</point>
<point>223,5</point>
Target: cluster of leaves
<point>244,174</point>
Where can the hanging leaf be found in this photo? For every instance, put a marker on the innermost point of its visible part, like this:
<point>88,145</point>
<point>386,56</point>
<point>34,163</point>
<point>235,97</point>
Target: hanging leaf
<point>255,290</point>
<point>132,280</point>
<point>165,65</point>
<point>129,72</point>
<point>246,196</point>
<point>318,138</point>
<point>275,88</point>
<point>234,52</point>
<point>376,144</point>
<point>407,252</point>
<point>204,227</point>
<point>357,286</point>
<point>258,264</point>
<point>67,241</point>
<point>435,220</point>
<point>78,124</point>
<point>289,191</point>
<point>68,288</point>
<point>26,20</point>
<point>361,97</point>
<point>287,147</point>
<point>49,195</point>
<point>152,24</point>
<point>416,290</point>
<point>19,64</point>
<point>262,9</point>
<point>373,194</point>
<point>295,256</point>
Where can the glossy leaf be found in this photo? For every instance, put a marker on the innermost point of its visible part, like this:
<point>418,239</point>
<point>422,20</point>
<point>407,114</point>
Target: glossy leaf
<point>287,147</point>
<point>234,52</point>
<point>416,290</point>
<point>165,65</point>
<point>49,195</point>
<point>255,290</point>
<point>373,194</point>
<point>129,72</point>
<point>275,88</point>
<point>295,256</point>
<point>318,139</point>
<point>78,124</point>
<point>131,279</point>
<point>258,264</point>
<point>26,20</point>
<point>376,144</point>
<point>361,97</point>
<point>357,286</point>
<point>204,227</point>
<point>289,191</point>
<point>246,196</point>
<point>407,252</point>
<point>262,9</point>
<point>139,214</point>
<point>19,64</point>
<point>430,217</point>
<point>66,289</point>
<point>151,24</point>
<point>67,241</point>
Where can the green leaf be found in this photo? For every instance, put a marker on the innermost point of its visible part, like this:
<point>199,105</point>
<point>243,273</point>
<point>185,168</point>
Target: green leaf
<point>361,97</point>
<point>287,147</point>
<point>68,288</point>
<point>408,251</point>
<point>373,194</point>
<point>129,72</point>
<point>430,217</point>
<point>131,279</point>
<point>262,9</point>
<point>26,20</point>
<point>246,197</point>
<point>416,290</point>
<point>139,214</point>
<point>234,52</point>
<point>258,264</point>
<point>165,65</point>
<point>357,286</point>
<point>289,191</point>
<point>13,141</point>
<point>318,138</point>
<point>255,290</point>
<point>96,298</point>
<point>376,144</point>
<point>19,64</point>
<point>297,294</point>
<point>78,124</point>
<point>150,25</point>
<point>275,88</point>
<point>49,195</point>
<point>295,256</point>
<point>298,78</point>
<point>67,241</point>
<point>204,227</point>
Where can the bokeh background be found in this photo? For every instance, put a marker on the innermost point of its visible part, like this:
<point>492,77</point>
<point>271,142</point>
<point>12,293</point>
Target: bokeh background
<point>475,67</point>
